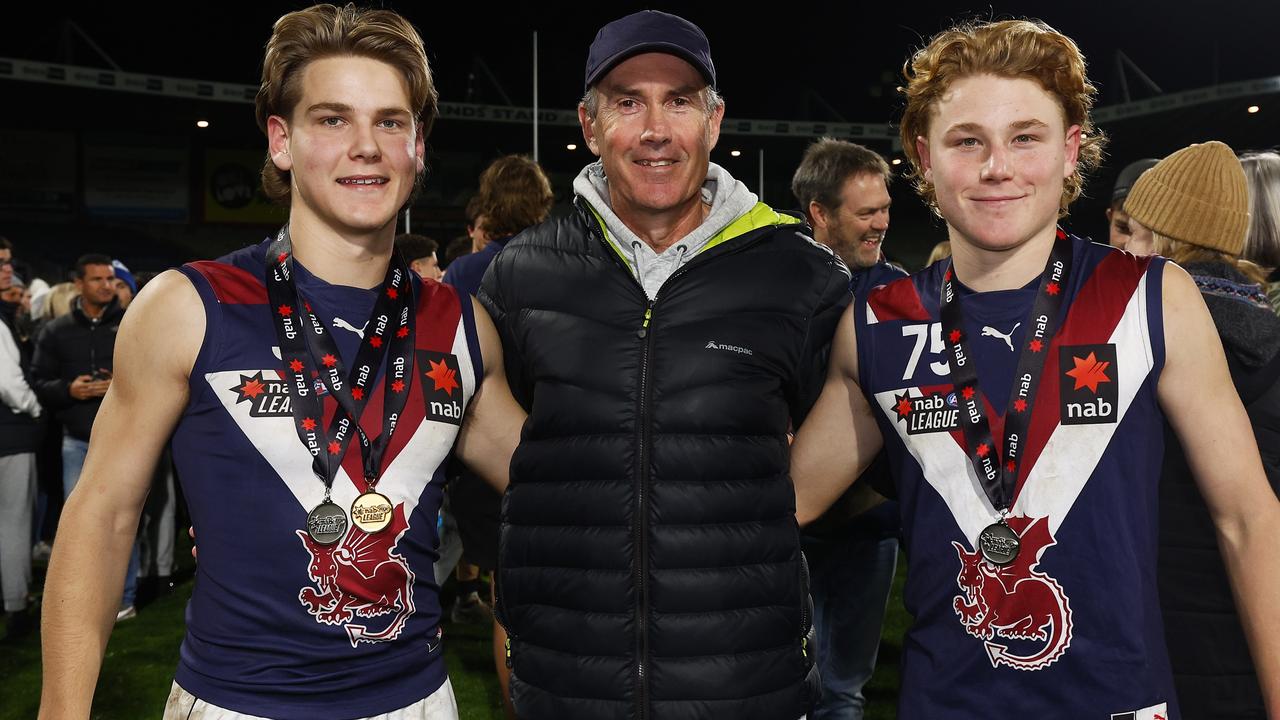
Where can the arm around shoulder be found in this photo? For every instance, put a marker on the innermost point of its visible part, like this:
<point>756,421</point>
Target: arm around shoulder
<point>491,429</point>
<point>1200,401</point>
<point>156,346</point>
<point>839,438</point>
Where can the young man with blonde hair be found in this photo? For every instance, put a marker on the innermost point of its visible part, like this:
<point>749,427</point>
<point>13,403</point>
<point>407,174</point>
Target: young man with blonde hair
<point>1019,390</point>
<point>311,450</point>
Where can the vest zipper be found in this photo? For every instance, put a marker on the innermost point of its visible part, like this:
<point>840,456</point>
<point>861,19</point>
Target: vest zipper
<point>641,540</point>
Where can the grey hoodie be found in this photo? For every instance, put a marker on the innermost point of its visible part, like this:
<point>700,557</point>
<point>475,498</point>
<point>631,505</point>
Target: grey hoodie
<point>729,200</point>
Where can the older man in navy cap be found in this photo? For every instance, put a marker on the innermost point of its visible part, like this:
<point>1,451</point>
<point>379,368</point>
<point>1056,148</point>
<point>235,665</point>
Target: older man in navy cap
<point>664,336</point>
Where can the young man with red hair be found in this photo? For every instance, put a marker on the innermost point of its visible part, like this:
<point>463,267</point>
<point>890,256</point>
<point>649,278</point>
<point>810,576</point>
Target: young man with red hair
<point>1019,389</point>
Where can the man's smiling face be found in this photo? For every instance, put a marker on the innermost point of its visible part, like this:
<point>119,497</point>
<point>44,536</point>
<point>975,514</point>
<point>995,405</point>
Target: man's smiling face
<point>352,146</point>
<point>653,134</point>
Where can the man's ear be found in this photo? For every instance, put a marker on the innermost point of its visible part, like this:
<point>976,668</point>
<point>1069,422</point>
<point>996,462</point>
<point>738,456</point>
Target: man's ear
<point>926,162</point>
<point>420,149</point>
<point>821,219</point>
<point>717,115</point>
<point>1071,151</point>
<point>588,131</point>
<point>278,142</point>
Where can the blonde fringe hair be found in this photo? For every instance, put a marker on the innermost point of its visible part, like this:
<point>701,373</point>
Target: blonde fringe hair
<point>322,31</point>
<point>1011,49</point>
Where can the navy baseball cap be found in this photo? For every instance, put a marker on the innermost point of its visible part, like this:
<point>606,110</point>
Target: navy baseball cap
<point>1128,176</point>
<point>649,31</point>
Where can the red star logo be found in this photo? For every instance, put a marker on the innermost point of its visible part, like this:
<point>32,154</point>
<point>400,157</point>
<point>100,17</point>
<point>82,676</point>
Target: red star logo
<point>282,257</point>
<point>445,378</point>
<point>398,386</point>
<point>252,388</point>
<point>357,393</point>
<point>284,310</point>
<point>402,332</point>
<point>392,293</point>
<point>1089,372</point>
<point>295,365</point>
<point>967,393</point>
<point>306,305</point>
<point>1020,405</point>
<point>1010,466</point>
<point>375,341</point>
<point>983,449</point>
<point>1052,288</point>
<point>1036,346</point>
<point>947,275</point>
<point>904,407</point>
<point>308,424</point>
<point>334,448</point>
<point>329,360</point>
<point>954,336</point>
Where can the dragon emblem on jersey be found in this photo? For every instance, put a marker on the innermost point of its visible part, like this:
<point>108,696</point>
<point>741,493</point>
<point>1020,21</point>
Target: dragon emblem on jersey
<point>360,576</point>
<point>1015,602</point>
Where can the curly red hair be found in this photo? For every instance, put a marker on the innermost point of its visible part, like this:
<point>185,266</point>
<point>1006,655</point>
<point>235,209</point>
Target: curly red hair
<point>1008,48</point>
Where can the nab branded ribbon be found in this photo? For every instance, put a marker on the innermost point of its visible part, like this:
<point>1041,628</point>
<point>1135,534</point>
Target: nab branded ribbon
<point>308,351</point>
<point>999,479</point>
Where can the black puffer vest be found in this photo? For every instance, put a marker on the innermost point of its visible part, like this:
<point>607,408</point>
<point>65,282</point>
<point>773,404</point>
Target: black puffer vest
<point>650,565</point>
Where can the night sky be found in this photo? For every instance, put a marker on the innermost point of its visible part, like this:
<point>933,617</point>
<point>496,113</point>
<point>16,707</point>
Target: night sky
<point>830,62</point>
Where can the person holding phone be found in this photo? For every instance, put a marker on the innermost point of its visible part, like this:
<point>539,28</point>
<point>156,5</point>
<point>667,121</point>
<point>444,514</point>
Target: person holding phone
<point>72,371</point>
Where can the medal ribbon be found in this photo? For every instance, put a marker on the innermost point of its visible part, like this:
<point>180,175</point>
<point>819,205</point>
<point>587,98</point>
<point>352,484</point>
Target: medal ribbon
<point>999,479</point>
<point>302,337</point>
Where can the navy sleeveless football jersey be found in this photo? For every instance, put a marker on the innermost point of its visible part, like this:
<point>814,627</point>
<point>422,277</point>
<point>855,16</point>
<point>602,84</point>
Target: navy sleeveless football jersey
<point>278,625</point>
<point>1072,628</point>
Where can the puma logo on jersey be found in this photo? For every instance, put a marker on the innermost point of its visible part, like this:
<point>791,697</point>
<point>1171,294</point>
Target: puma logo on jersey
<point>340,323</point>
<point>988,331</point>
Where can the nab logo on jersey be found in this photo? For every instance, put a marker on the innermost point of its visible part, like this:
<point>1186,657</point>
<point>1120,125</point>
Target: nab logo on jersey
<point>267,398</point>
<point>441,382</point>
<point>1089,393</point>
<point>931,413</point>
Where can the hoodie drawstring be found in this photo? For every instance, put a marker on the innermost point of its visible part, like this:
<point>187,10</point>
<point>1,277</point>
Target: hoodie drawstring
<point>636,253</point>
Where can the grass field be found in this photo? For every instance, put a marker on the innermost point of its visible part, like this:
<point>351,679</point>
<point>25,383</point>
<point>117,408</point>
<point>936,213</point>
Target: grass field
<point>143,653</point>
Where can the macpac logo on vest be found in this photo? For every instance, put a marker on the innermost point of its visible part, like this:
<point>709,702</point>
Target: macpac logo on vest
<point>1089,393</point>
<point>438,373</point>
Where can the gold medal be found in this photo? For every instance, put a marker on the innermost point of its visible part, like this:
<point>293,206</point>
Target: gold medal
<point>371,512</point>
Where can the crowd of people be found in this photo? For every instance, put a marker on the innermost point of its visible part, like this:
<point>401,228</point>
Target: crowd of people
<point>58,343</point>
<point>607,425</point>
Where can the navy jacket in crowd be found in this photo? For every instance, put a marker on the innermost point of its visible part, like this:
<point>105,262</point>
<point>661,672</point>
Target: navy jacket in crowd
<point>66,348</point>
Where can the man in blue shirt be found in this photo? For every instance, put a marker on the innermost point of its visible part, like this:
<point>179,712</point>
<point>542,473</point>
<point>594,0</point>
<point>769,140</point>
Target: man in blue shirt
<point>852,550</point>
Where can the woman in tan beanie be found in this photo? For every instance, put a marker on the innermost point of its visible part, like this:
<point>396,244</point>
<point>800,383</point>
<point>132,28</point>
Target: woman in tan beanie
<point>1193,207</point>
